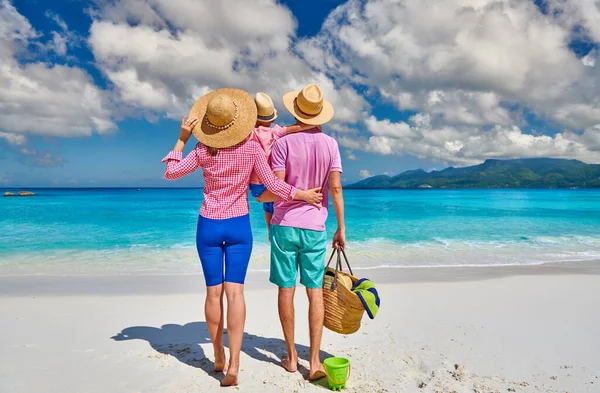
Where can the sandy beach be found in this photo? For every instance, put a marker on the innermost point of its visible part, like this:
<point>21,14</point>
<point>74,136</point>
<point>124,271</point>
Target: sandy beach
<point>529,329</point>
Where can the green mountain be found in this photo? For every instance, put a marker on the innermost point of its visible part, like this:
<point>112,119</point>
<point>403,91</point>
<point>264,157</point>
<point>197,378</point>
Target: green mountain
<point>521,173</point>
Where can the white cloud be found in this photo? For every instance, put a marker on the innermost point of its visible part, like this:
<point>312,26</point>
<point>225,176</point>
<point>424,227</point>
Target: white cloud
<point>42,99</point>
<point>365,173</point>
<point>162,55</point>
<point>63,39</point>
<point>572,13</point>
<point>40,158</point>
<point>350,155</point>
<point>58,44</point>
<point>590,59</point>
<point>13,139</point>
<point>13,26</point>
<point>467,145</point>
<point>58,20</point>
<point>457,106</point>
<point>470,69</point>
<point>464,61</point>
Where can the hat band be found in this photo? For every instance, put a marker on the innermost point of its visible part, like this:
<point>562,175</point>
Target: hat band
<point>226,126</point>
<point>297,107</point>
<point>266,118</point>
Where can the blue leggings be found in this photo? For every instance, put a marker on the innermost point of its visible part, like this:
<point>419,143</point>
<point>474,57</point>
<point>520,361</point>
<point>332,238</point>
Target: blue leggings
<point>224,241</point>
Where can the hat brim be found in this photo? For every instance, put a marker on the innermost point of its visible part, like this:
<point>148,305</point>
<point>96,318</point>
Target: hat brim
<point>326,114</point>
<point>234,135</point>
<point>268,118</point>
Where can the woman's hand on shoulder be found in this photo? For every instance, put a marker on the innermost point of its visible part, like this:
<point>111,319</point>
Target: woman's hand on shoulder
<point>187,125</point>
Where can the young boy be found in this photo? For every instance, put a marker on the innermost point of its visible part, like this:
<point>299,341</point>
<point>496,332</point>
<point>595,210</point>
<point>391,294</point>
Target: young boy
<point>266,133</point>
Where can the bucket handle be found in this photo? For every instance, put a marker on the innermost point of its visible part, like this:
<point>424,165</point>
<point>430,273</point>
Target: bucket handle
<point>336,382</point>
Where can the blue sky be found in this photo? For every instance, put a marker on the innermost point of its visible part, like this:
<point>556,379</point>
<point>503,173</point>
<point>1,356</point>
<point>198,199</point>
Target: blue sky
<point>95,89</point>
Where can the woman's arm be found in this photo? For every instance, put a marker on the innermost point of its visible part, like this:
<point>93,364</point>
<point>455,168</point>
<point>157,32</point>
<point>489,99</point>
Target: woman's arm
<point>280,188</point>
<point>298,127</point>
<point>281,131</point>
<point>268,196</point>
<point>176,167</point>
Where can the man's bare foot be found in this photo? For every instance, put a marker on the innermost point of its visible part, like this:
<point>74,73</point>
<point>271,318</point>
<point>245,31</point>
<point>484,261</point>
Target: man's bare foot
<point>220,361</point>
<point>316,372</point>
<point>290,365</point>
<point>230,380</point>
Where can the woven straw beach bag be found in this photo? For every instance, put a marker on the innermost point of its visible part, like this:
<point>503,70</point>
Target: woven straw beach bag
<point>343,308</point>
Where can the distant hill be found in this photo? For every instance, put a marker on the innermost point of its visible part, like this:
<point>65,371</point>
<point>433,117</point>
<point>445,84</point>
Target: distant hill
<point>521,173</point>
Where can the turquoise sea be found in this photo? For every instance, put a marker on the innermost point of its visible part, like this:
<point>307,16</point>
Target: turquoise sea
<point>152,231</point>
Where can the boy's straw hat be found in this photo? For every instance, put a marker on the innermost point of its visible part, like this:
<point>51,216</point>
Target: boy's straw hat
<point>225,117</point>
<point>308,105</point>
<point>264,106</point>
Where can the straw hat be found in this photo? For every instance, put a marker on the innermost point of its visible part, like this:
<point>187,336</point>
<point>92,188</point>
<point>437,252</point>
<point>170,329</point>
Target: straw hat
<point>264,106</point>
<point>308,105</point>
<point>225,117</point>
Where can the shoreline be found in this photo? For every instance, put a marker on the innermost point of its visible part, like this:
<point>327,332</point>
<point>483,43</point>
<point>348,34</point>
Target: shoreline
<point>164,284</point>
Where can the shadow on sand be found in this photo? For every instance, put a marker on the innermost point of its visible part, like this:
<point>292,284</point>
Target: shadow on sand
<point>183,343</point>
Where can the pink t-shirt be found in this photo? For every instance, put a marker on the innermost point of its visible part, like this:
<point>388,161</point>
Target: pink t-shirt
<point>307,158</point>
<point>266,136</point>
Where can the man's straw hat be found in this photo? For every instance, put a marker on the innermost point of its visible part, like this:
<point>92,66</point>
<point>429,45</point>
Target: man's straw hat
<point>264,106</point>
<point>225,117</point>
<point>308,105</point>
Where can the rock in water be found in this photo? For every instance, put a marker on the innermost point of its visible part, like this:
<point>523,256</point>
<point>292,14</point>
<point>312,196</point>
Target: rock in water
<point>26,193</point>
<point>9,194</point>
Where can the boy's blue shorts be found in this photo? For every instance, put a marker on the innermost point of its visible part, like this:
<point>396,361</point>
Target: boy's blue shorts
<point>256,190</point>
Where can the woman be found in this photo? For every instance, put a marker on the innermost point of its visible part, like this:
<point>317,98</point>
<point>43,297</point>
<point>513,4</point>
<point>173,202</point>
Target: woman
<point>222,121</point>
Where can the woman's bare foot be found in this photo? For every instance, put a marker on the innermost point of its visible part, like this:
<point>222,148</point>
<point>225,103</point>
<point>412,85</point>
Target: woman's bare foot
<point>291,366</point>
<point>229,380</point>
<point>220,361</point>
<point>316,372</point>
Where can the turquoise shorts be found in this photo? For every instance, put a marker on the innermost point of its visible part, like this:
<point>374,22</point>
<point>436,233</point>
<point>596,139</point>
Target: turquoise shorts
<point>294,249</point>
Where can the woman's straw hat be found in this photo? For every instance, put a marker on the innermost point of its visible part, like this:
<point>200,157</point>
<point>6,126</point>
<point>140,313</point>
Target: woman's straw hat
<point>308,105</point>
<point>264,106</point>
<point>225,117</point>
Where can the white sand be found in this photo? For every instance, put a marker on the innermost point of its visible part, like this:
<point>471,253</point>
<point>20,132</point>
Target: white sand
<point>534,333</point>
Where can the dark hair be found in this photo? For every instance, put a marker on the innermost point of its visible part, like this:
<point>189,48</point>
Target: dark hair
<point>213,151</point>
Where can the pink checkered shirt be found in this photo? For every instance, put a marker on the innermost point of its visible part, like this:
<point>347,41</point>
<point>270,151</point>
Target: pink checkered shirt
<point>226,177</point>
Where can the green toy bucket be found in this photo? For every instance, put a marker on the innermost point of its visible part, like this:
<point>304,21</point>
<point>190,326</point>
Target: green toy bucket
<point>338,372</point>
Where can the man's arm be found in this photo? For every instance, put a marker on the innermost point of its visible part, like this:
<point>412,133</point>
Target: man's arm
<point>337,197</point>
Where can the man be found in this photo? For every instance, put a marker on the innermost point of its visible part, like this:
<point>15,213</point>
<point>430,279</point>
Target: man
<point>298,238</point>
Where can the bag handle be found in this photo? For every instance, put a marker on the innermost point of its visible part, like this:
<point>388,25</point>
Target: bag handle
<point>339,251</point>
<point>346,259</point>
<point>333,284</point>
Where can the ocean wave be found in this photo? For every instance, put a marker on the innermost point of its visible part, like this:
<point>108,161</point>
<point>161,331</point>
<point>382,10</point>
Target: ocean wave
<point>375,253</point>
